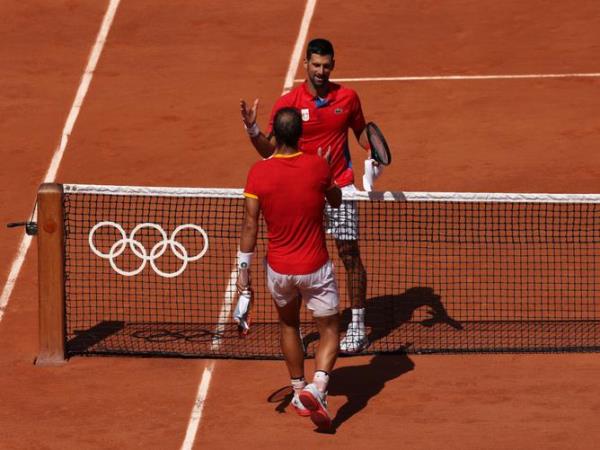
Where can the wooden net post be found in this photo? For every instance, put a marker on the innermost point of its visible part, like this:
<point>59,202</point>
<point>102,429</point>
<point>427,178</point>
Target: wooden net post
<point>51,275</point>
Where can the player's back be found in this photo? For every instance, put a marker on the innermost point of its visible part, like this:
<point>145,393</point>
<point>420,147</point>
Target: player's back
<point>291,191</point>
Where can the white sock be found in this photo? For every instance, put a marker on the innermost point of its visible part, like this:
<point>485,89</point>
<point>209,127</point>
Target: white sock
<point>321,379</point>
<point>298,384</point>
<point>358,318</point>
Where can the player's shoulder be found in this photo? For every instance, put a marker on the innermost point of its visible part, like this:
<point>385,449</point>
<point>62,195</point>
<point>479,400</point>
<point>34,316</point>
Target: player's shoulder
<point>290,97</point>
<point>259,167</point>
<point>344,91</point>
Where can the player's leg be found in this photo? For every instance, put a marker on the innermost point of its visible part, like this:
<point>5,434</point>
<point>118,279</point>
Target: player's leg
<point>293,351</point>
<point>289,338</point>
<point>356,275</point>
<point>343,224</point>
<point>321,294</point>
<point>287,301</point>
<point>314,395</point>
<point>329,335</point>
<point>356,283</point>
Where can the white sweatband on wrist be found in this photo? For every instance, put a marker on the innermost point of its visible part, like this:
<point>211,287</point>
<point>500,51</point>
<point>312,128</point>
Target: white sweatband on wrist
<point>244,260</point>
<point>253,131</point>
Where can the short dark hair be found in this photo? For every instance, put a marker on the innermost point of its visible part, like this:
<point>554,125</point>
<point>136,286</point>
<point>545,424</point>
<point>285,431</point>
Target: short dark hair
<point>287,127</point>
<point>319,46</point>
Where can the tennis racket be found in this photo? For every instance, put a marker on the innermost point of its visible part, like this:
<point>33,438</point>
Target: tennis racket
<point>380,151</point>
<point>241,314</point>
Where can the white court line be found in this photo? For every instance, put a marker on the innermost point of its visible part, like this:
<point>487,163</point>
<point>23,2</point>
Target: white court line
<point>60,150</point>
<point>299,46</point>
<point>230,293</point>
<point>467,77</point>
<point>196,415</point>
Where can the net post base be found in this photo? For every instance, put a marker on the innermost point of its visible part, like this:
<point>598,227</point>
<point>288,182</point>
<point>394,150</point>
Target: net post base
<point>49,360</point>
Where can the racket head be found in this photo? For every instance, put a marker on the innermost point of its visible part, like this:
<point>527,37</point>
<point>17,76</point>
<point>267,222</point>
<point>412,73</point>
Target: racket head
<point>281,394</point>
<point>380,151</point>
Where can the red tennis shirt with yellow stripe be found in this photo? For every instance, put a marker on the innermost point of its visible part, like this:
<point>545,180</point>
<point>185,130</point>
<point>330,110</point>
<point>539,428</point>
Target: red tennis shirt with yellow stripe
<point>325,123</point>
<point>291,191</point>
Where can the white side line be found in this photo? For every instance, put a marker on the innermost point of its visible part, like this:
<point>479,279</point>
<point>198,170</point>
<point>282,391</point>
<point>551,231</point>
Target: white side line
<point>84,84</point>
<point>300,40</point>
<point>196,415</point>
<point>14,273</point>
<point>59,152</point>
<point>469,77</point>
<point>224,316</point>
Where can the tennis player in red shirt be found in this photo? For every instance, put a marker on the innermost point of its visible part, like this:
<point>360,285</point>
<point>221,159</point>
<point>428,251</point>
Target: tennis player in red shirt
<point>290,189</point>
<point>328,111</point>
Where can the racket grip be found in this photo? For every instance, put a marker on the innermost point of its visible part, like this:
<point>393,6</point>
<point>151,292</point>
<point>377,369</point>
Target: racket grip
<point>242,310</point>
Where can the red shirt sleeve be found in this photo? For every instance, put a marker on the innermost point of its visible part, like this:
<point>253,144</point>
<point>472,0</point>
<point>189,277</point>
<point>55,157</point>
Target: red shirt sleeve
<point>357,119</point>
<point>252,190</point>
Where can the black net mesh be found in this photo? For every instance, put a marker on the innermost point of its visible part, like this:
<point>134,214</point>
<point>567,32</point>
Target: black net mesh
<point>442,276</point>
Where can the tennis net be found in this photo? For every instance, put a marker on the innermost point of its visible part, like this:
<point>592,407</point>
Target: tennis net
<point>152,271</point>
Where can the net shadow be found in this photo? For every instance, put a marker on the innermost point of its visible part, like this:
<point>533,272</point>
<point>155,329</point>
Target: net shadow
<point>87,339</point>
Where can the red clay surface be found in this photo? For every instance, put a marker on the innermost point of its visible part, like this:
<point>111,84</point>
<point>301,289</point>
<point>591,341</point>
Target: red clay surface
<point>163,110</point>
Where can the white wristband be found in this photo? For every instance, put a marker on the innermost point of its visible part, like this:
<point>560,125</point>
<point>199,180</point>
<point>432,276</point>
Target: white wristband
<point>244,260</point>
<point>253,131</point>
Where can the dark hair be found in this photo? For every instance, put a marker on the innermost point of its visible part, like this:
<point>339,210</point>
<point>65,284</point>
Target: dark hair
<point>287,127</point>
<point>319,46</point>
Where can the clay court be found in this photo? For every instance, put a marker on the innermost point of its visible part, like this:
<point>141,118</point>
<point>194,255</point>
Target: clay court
<point>474,96</point>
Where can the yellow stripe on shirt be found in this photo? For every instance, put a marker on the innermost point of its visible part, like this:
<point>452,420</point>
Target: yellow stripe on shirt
<point>277,155</point>
<point>246,194</point>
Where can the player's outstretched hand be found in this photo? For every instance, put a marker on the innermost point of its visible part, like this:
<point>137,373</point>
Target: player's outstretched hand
<point>327,154</point>
<point>249,114</point>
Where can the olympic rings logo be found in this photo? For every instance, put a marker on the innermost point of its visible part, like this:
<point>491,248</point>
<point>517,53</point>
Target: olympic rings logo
<point>141,252</point>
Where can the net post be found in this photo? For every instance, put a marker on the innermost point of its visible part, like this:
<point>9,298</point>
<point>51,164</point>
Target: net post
<point>51,275</point>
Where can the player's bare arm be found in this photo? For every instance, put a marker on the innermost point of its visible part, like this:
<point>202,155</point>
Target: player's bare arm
<point>363,140</point>
<point>248,235</point>
<point>250,226</point>
<point>264,145</point>
<point>334,193</point>
<point>334,196</point>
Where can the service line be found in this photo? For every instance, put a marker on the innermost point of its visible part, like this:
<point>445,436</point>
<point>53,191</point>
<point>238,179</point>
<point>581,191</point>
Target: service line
<point>465,77</point>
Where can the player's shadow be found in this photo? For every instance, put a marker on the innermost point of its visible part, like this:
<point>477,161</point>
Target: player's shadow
<point>387,313</point>
<point>359,384</point>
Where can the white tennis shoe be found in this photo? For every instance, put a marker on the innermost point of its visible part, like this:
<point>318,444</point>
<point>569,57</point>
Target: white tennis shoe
<point>299,407</point>
<point>355,340</point>
<point>316,402</point>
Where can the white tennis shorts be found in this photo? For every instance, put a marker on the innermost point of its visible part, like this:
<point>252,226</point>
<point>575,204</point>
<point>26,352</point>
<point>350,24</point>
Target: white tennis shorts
<point>342,222</point>
<point>318,289</point>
